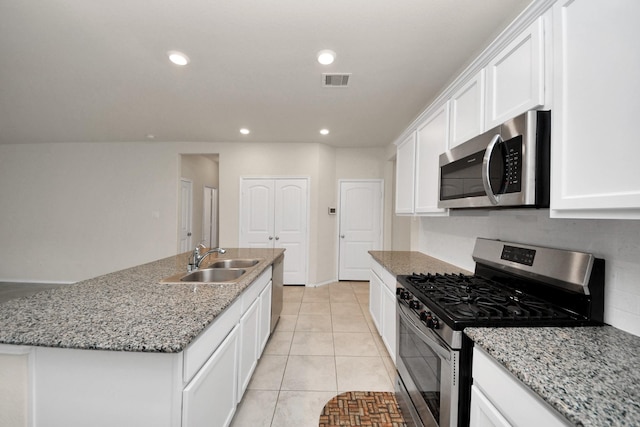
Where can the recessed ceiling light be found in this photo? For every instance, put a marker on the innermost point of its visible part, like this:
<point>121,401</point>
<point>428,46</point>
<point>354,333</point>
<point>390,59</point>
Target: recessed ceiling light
<point>324,131</point>
<point>326,57</point>
<point>245,131</point>
<point>178,58</point>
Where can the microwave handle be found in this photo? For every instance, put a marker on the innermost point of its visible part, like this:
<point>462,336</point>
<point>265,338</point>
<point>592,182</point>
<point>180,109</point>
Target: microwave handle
<point>486,162</point>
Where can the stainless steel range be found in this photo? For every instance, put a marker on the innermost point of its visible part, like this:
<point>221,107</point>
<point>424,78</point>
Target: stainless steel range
<point>513,285</point>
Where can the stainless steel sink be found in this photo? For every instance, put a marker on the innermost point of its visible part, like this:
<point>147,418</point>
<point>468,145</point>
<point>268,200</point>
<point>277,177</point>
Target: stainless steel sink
<point>228,270</point>
<point>234,263</point>
<point>214,275</point>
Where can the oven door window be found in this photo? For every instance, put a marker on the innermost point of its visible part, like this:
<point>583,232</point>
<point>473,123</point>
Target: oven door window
<point>424,367</point>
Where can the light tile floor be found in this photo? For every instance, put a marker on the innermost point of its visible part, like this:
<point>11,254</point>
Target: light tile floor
<point>325,344</point>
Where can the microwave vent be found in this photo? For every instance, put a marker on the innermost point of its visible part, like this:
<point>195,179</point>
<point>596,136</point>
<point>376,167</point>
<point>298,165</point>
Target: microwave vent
<point>335,80</point>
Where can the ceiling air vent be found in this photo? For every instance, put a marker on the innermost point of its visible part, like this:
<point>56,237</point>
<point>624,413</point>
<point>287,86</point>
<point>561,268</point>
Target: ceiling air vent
<point>335,80</point>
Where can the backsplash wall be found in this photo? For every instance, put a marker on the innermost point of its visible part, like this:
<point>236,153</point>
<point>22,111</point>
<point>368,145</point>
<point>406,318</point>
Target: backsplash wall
<point>618,242</point>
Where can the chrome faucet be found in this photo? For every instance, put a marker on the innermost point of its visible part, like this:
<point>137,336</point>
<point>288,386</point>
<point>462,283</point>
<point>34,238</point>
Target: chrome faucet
<point>196,258</point>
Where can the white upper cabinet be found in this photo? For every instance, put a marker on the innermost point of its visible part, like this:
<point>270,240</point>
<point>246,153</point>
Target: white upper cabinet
<point>432,140</point>
<point>596,106</point>
<point>515,77</point>
<point>467,110</point>
<point>405,175</point>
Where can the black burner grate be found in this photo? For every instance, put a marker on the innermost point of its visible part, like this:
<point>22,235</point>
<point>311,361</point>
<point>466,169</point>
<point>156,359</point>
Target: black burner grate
<point>464,297</point>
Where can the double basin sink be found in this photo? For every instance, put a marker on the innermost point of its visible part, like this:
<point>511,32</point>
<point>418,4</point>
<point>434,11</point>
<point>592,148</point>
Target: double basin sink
<point>220,271</point>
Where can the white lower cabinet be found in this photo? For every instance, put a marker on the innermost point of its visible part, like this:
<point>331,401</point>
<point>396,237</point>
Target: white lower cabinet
<point>265,317</point>
<point>248,355</point>
<point>375,299</point>
<point>483,413</point>
<point>200,386</point>
<point>499,399</point>
<point>210,398</point>
<point>389,321</point>
<point>382,306</point>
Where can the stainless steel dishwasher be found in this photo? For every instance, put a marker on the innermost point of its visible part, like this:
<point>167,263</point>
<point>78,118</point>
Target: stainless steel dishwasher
<point>277,283</point>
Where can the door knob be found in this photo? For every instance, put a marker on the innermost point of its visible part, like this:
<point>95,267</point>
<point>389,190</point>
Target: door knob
<point>189,234</point>
<point>270,237</point>
<point>342,236</point>
<point>277,238</point>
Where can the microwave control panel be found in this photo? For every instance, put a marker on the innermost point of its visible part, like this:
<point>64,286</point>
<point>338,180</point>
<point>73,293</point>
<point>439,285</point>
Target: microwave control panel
<point>512,165</point>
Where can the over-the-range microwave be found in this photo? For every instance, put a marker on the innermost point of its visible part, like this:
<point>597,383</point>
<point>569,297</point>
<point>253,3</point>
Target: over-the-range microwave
<point>507,166</point>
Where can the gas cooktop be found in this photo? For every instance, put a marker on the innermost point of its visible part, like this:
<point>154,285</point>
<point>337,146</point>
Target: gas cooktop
<point>512,286</point>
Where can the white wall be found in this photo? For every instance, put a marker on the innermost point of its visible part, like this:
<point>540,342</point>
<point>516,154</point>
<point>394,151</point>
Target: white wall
<point>617,241</point>
<point>73,211</point>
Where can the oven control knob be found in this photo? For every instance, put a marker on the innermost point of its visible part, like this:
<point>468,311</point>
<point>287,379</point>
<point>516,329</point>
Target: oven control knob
<point>405,295</point>
<point>425,316</point>
<point>435,323</point>
<point>399,291</point>
<point>415,304</point>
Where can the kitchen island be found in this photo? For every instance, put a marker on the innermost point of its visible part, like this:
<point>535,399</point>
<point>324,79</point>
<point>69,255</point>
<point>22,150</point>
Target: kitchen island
<point>587,375</point>
<point>125,349</point>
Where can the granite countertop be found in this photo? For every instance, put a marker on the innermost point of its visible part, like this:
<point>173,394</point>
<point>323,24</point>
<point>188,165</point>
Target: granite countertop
<point>407,262</point>
<point>590,375</point>
<point>128,310</point>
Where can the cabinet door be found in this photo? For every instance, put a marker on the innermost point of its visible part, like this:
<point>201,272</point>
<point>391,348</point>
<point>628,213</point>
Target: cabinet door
<point>432,140</point>
<point>467,111</point>
<point>248,356</point>
<point>483,413</point>
<point>389,322</point>
<point>515,77</point>
<point>375,301</point>
<point>265,317</point>
<point>405,174</point>
<point>210,398</point>
<point>594,134</point>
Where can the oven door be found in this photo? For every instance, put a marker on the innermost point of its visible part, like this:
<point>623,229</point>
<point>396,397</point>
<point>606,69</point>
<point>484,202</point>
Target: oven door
<point>427,370</point>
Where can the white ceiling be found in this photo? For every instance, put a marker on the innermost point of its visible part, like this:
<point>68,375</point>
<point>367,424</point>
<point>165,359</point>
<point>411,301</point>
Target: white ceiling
<point>96,70</point>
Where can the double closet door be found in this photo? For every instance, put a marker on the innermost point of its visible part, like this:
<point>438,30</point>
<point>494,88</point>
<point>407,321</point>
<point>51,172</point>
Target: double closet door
<point>274,214</point>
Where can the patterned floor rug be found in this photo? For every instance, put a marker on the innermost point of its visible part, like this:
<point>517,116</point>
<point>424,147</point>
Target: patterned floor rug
<point>362,408</point>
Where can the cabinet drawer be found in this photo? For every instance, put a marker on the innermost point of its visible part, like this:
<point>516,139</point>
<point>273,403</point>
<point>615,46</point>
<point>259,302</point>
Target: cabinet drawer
<point>387,278</point>
<point>252,293</point>
<point>197,353</point>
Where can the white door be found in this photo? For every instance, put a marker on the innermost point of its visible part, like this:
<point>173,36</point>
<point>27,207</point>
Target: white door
<point>186,202</point>
<point>273,214</point>
<point>291,227</point>
<point>360,227</point>
<point>210,217</point>
<point>257,213</point>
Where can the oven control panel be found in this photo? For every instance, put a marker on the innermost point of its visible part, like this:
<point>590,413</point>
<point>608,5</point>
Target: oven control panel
<point>405,297</point>
<point>520,255</point>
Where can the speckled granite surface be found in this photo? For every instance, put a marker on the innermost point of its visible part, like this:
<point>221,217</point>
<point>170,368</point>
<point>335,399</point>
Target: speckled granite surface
<point>591,375</point>
<point>407,262</point>
<point>128,310</point>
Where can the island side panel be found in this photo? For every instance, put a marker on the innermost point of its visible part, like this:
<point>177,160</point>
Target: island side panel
<point>107,388</point>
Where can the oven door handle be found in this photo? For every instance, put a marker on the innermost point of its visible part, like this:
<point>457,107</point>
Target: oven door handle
<point>434,342</point>
<point>486,164</point>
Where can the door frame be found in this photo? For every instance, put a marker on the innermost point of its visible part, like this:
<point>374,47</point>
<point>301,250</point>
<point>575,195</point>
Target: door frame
<point>190,233</point>
<point>338,227</point>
